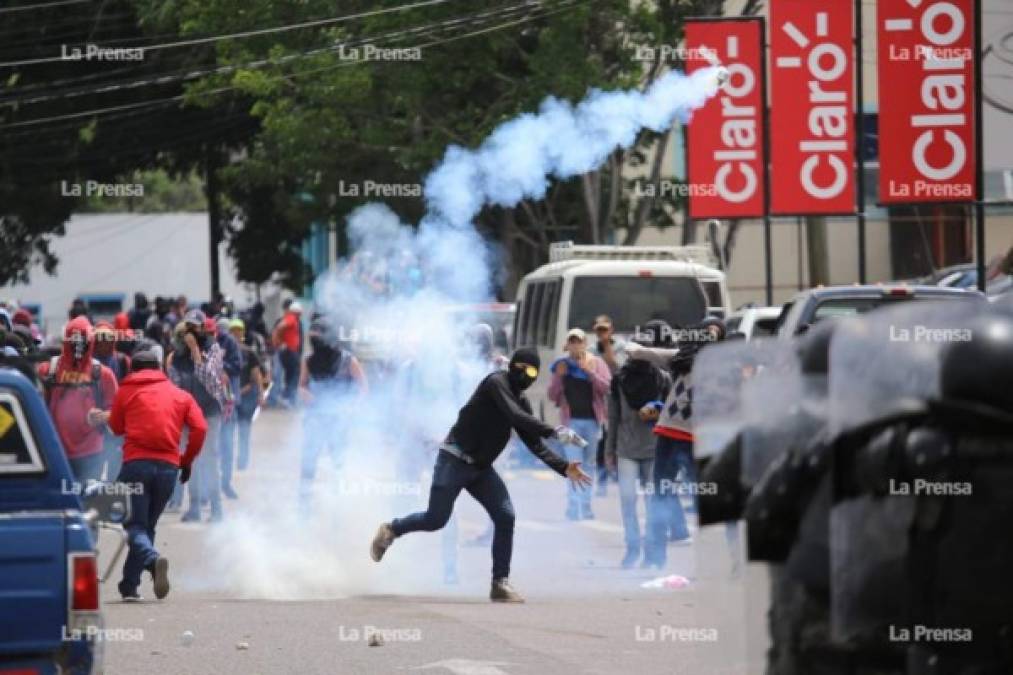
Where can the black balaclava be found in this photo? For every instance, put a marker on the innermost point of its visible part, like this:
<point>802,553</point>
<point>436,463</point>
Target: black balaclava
<point>519,380</point>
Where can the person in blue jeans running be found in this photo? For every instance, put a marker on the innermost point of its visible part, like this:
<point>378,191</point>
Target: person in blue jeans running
<point>580,382</point>
<point>151,413</point>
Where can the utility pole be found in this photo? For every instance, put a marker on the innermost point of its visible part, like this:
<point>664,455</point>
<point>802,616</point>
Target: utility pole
<point>212,192</point>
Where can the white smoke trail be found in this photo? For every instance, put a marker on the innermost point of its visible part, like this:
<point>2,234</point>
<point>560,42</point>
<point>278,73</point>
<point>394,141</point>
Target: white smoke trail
<point>520,156</point>
<point>390,304</point>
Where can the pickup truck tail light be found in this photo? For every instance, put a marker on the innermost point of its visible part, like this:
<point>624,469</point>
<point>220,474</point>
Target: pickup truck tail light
<point>84,591</point>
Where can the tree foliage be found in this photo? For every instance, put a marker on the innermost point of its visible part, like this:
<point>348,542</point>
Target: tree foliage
<point>290,120</point>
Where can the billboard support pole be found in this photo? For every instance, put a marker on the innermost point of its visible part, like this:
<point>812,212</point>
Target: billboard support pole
<point>860,142</point>
<point>768,245</point>
<point>979,147</point>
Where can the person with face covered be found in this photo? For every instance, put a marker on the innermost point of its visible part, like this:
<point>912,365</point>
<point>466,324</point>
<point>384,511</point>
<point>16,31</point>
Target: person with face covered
<point>465,462</point>
<point>674,429</point>
<point>196,366</point>
<point>79,392</point>
<point>330,376</point>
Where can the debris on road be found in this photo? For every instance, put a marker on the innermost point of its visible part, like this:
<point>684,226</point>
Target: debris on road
<point>673,581</point>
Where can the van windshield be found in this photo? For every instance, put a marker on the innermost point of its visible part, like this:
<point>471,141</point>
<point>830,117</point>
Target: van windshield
<point>633,301</point>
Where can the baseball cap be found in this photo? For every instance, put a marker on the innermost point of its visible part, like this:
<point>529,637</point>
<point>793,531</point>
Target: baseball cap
<point>295,307</point>
<point>144,359</point>
<point>194,317</point>
<point>577,333</point>
<point>237,323</point>
<point>602,321</point>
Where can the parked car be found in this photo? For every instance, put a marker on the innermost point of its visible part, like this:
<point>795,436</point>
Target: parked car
<point>754,322</point>
<point>816,304</point>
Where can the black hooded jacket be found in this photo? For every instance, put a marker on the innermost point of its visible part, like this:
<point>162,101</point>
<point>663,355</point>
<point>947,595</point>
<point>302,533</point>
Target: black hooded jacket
<point>484,423</point>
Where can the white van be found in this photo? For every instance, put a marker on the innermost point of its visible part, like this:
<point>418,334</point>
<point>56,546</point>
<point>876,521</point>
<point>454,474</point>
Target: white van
<point>632,284</point>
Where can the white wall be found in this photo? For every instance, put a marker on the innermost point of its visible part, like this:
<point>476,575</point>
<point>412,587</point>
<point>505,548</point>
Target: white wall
<point>158,254</point>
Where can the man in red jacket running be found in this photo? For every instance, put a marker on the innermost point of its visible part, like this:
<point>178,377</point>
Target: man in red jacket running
<point>151,411</point>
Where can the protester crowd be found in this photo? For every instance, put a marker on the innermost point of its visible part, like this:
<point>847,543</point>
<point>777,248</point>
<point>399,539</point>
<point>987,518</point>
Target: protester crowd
<point>194,379</point>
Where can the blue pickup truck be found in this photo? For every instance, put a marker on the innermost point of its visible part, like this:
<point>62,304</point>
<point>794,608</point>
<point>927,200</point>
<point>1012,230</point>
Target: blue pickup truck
<point>50,616</point>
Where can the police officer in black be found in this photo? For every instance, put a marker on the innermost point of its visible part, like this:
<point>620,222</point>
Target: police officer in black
<point>465,462</point>
<point>922,505</point>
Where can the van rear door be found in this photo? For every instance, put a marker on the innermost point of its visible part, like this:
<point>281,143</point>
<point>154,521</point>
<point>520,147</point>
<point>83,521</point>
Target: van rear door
<point>33,547</point>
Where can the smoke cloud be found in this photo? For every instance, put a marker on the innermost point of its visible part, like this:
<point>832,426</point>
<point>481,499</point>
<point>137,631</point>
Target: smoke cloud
<point>402,302</point>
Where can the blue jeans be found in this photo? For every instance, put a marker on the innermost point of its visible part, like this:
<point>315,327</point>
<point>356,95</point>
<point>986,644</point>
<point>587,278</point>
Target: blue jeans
<point>113,455</point>
<point>151,485</point>
<point>87,469</point>
<point>578,499</point>
<point>244,420</point>
<point>321,431</point>
<point>633,474</point>
<point>206,482</point>
<point>227,445</point>
<point>450,476</point>
<point>665,508</point>
<point>277,376</point>
<point>290,374</point>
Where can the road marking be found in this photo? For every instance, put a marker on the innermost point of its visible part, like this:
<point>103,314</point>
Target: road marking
<point>467,667</point>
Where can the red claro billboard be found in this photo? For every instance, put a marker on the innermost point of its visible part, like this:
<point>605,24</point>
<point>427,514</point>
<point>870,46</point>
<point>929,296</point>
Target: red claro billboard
<point>926,100</point>
<point>725,138</point>
<point>812,127</point>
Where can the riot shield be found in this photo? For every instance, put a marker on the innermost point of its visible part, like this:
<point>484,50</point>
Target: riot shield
<point>881,365</point>
<point>882,360</point>
<point>868,574</point>
<point>722,375</point>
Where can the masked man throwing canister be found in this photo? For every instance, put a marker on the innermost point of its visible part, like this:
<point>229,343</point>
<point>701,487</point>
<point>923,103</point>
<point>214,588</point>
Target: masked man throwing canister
<point>465,463</point>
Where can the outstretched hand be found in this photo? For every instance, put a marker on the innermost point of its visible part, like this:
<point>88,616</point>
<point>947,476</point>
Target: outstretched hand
<point>577,475</point>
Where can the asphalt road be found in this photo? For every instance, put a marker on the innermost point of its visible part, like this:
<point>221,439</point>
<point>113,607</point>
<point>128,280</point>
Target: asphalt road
<point>277,590</point>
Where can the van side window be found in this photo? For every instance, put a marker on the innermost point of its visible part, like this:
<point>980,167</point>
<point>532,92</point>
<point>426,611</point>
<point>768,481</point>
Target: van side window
<point>528,316</point>
<point>550,311</point>
<point>536,313</point>
<point>554,313</point>
<point>18,452</point>
<point>515,337</point>
<point>713,291</point>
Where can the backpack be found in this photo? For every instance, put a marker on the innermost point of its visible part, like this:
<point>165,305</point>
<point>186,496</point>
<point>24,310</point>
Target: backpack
<point>49,382</point>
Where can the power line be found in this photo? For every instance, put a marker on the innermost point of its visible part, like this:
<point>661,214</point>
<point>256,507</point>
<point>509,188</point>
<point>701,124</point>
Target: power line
<point>567,4</point>
<point>188,74</point>
<point>41,5</point>
<point>252,33</point>
<point>160,102</point>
